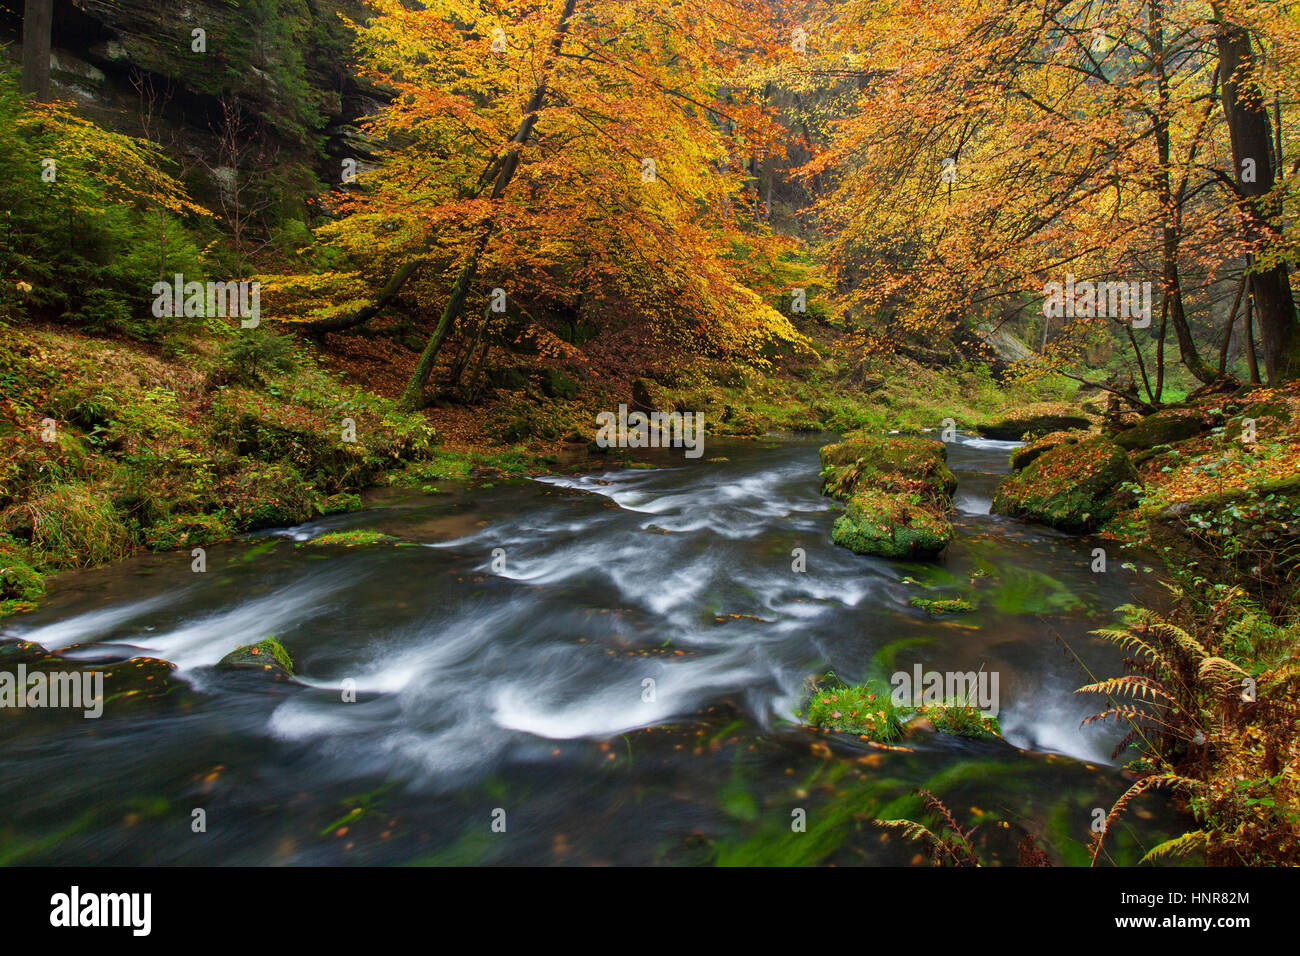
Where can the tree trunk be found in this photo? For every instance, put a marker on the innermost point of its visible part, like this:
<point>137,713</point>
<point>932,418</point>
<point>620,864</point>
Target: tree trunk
<point>1252,147</point>
<point>1171,237</point>
<point>38,19</point>
<point>413,397</point>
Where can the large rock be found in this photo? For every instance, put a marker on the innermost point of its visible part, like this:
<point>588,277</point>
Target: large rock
<point>899,491</point>
<point>892,526</point>
<point>1021,427</point>
<point>897,464</point>
<point>1072,487</point>
<point>1024,455</point>
<point>1164,428</point>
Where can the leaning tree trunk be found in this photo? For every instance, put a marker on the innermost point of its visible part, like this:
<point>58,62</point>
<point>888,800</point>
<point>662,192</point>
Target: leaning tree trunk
<point>413,397</point>
<point>38,18</point>
<point>1252,145</point>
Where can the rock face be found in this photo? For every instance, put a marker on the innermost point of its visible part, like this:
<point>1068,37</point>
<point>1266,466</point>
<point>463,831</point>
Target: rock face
<point>899,492</point>
<point>1071,487</point>
<point>284,61</point>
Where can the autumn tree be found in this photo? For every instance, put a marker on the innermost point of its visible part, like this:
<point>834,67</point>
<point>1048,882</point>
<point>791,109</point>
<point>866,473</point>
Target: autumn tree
<point>582,151</point>
<point>999,144</point>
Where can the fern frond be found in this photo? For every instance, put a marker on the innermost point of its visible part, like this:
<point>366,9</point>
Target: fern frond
<point>1178,846</point>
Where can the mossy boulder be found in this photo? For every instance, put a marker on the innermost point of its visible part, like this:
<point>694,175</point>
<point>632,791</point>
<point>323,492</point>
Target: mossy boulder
<point>333,463</point>
<point>1072,487</point>
<point>942,605</point>
<point>1020,427</point>
<point>897,464</point>
<point>962,720</point>
<point>1163,428</point>
<point>266,655</point>
<point>507,378</point>
<point>344,501</point>
<point>1022,456</point>
<point>556,383</point>
<point>891,525</point>
<point>267,496</point>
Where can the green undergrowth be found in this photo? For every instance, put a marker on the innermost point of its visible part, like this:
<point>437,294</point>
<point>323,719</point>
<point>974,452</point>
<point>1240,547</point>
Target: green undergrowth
<point>893,394</point>
<point>108,446</point>
<point>865,709</point>
<point>869,710</point>
<point>446,464</point>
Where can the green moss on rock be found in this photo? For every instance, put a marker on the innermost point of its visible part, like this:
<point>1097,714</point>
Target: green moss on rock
<point>899,464</point>
<point>962,720</point>
<point>864,710</point>
<point>1072,487</point>
<point>21,585</point>
<point>350,539</point>
<point>891,526</point>
<point>186,531</point>
<point>1022,456</point>
<point>1019,427</point>
<point>265,655</point>
<point>942,606</point>
<point>1163,428</point>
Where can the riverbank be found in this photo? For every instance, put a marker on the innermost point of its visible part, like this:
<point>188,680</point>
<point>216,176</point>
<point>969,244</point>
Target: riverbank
<point>1209,695</point>
<point>109,446</point>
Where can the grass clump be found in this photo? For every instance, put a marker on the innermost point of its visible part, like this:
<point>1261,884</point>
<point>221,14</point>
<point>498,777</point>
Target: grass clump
<point>349,539</point>
<point>943,605</point>
<point>72,526</point>
<point>961,719</point>
<point>21,585</point>
<point>866,710</point>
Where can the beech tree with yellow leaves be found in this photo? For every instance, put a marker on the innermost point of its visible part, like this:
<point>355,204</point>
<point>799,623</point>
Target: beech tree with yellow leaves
<point>581,151</point>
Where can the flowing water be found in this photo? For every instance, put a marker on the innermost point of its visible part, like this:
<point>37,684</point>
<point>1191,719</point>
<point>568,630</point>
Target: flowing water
<point>594,669</point>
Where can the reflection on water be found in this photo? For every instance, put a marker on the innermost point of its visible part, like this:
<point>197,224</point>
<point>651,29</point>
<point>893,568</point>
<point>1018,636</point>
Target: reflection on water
<point>613,660</point>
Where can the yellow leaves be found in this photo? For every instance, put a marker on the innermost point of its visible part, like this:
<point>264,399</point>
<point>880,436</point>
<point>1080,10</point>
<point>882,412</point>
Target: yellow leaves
<point>131,168</point>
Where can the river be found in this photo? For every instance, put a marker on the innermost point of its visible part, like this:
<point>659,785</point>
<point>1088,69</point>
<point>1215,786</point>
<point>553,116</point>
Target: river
<point>574,670</point>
